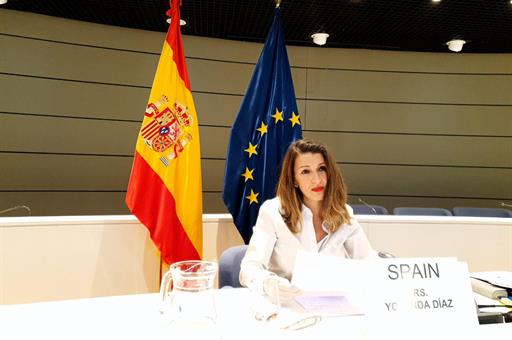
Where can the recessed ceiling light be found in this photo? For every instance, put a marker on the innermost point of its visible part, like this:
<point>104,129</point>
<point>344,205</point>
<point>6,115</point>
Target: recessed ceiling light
<point>168,20</point>
<point>182,22</point>
<point>440,0</point>
<point>320,38</point>
<point>455,45</point>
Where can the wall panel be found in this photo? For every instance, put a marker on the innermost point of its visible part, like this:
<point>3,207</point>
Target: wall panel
<point>60,172</point>
<point>214,141</point>
<point>216,109</point>
<point>78,32</point>
<point>67,98</point>
<point>416,149</point>
<point>213,174</point>
<point>363,59</point>
<point>429,181</point>
<point>410,118</point>
<point>409,87</point>
<point>56,60</point>
<point>212,203</point>
<point>68,135</point>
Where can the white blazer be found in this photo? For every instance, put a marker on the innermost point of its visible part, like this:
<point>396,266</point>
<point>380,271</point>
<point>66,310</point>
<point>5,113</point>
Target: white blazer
<point>273,247</point>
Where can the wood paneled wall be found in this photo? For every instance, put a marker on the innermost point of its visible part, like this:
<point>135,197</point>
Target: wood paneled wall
<point>407,129</point>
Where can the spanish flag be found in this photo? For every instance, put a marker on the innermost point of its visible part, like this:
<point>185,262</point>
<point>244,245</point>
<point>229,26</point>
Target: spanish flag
<point>164,191</point>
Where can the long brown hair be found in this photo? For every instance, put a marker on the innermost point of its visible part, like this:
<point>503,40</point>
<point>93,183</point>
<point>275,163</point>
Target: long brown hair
<point>334,211</point>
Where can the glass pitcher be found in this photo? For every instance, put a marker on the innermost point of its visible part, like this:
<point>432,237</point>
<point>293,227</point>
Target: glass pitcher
<point>187,291</point>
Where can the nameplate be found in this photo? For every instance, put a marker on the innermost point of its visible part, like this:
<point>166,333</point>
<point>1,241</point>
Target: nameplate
<point>421,298</point>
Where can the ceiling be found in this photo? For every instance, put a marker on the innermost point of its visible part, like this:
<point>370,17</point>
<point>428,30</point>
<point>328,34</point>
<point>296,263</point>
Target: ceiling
<point>408,25</point>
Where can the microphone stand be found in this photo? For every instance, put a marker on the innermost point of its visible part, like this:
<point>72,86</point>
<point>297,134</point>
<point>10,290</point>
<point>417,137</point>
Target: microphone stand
<point>369,206</point>
<point>16,208</point>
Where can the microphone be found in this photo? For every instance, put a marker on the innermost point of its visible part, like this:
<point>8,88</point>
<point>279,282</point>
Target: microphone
<point>503,204</point>
<point>369,206</point>
<point>385,255</point>
<point>16,208</point>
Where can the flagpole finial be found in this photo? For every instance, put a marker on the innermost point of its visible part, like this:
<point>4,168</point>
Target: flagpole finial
<point>278,2</point>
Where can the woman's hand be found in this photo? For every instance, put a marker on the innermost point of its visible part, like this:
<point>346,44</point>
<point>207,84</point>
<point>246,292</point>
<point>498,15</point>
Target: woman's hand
<point>279,289</point>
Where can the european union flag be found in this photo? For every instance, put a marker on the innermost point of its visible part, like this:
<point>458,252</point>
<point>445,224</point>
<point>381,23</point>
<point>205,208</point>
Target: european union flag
<point>267,123</point>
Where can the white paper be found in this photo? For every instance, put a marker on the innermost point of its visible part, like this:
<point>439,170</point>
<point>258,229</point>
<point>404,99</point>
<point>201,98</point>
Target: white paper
<point>330,285</point>
<point>328,274</point>
<point>327,305</point>
<point>497,278</point>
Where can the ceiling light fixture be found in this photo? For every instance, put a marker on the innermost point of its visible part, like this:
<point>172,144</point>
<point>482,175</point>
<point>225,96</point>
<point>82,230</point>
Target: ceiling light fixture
<point>436,0</point>
<point>320,38</point>
<point>3,2</point>
<point>182,22</point>
<point>168,20</point>
<point>455,45</point>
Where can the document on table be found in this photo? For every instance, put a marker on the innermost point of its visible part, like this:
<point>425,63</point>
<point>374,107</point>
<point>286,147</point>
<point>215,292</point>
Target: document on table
<point>327,305</point>
<point>497,278</point>
<point>330,285</point>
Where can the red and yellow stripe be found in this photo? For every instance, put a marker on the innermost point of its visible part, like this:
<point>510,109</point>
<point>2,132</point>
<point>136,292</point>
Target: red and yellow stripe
<point>168,199</point>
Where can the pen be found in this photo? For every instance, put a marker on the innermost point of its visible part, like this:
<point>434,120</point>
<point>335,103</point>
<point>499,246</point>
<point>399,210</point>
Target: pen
<point>303,323</point>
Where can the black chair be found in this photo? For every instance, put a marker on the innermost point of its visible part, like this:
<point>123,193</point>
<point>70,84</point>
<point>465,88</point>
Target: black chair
<point>481,212</point>
<point>229,266</point>
<point>418,211</point>
<point>360,209</point>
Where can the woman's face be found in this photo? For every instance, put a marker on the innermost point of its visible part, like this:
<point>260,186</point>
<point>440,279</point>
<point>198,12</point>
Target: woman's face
<point>311,176</point>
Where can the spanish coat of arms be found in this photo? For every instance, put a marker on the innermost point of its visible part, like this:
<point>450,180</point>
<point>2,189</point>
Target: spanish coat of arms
<point>167,131</point>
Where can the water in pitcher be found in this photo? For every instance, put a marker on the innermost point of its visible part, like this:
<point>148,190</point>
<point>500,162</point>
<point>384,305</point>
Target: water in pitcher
<point>187,293</point>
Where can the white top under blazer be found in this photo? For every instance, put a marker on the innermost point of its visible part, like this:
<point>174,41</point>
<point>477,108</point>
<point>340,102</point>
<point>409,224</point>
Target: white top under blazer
<point>273,247</point>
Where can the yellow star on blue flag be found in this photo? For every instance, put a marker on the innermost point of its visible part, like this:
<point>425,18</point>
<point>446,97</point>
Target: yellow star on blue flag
<point>278,116</point>
<point>294,119</point>
<point>248,174</point>
<point>263,129</point>
<point>253,197</point>
<point>251,150</point>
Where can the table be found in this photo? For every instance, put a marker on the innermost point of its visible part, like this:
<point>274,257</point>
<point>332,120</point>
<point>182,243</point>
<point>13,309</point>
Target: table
<point>138,317</point>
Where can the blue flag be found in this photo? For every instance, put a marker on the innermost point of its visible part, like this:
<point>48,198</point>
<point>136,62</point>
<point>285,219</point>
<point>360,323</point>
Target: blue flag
<point>267,123</point>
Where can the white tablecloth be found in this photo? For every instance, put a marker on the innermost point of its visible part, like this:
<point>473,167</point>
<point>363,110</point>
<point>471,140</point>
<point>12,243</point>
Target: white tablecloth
<point>138,317</point>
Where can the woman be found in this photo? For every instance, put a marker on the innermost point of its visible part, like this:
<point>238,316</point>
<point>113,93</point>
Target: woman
<point>309,213</point>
